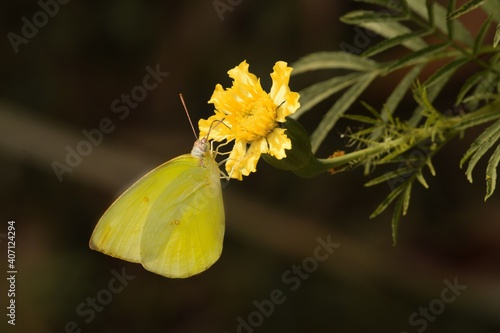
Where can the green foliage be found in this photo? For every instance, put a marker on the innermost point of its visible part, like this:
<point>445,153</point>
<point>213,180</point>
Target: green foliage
<point>415,34</point>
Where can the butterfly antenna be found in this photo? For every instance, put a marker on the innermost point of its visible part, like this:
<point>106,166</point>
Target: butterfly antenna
<point>189,118</point>
<point>216,122</point>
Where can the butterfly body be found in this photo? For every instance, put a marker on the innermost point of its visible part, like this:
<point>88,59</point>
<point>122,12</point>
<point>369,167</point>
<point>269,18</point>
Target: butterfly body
<point>171,220</point>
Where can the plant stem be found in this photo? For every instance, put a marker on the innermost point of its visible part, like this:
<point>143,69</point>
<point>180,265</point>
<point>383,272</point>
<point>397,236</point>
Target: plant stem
<point>451,126</point>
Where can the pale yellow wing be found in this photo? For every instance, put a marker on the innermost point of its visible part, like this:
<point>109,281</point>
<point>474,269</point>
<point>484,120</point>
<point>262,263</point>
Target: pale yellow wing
<point>184,230</point>
<point>118,232</point>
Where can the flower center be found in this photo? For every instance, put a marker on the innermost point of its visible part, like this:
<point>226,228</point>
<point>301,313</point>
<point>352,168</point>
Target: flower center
<point>256,119</point>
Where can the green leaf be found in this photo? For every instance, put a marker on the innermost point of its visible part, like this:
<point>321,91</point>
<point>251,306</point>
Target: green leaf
<point>333,60</point>
<point>400,210</point>
<point>395,153</point>
<point>439,13</point>
<point>420,96</point>
<point>401,89</point>
<point>338,109</point>
<point>406,198</point>
<point>496,39</point>
<point>397,41</point>
<point>450,24</point>
<point>446,71</point>
<point>491,173</point>
<point>492,7</point>
<point>432,93</point>
<point>389,199</point>
<point>421,179</point>
<point>416,56</point>
<point>396,96</point>
<point>316,93</point>
<point>396,219</point>
<point>485,114</point>
<point>430,12</point>
<point>372,110</point>
<point>431,167</point>
<point>359,17</point>
<point>479,147</point>
<point>486,86</point>
<point>391,29</point>
<point>468,85</point>
<point>480,36</point>
<point>388,176</point>
<point>362,119</point>
<point>467,7</point>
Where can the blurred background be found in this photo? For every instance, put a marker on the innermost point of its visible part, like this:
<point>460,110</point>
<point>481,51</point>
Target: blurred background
<point>70,74</point>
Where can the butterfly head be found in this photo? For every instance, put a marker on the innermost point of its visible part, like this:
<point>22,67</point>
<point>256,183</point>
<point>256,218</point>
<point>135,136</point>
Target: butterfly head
<point>200,147</point>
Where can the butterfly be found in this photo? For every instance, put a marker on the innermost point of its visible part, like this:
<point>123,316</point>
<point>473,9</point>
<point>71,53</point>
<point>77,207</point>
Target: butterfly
<point>171,220</point>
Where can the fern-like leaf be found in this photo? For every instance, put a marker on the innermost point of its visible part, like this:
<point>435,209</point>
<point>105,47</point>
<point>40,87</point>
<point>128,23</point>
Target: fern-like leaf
<point>496,39</point>
<point>491,172</point>
<point>465,8</point>
<point>337,110</point>
<point>479,147</point>
<point>333,60</point>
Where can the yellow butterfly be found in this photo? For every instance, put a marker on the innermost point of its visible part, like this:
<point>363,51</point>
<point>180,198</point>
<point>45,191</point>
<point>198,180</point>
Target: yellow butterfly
<point>171,220</point>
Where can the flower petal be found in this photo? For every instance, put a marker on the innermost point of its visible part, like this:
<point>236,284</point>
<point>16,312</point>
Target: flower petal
<point>252,156</point>
<point>287,101</point>
<point>243,161</point>
<point>278,142</point>
<point>234,161</point>
<point>241,74</point>
<point>280,76</point>
<point>218,130</point>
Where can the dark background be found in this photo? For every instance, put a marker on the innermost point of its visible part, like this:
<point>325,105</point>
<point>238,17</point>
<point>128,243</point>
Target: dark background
<point>64,80</point>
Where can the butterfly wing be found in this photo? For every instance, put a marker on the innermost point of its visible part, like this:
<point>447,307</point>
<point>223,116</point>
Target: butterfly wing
<point>118,232</point>
<point>184,230</point>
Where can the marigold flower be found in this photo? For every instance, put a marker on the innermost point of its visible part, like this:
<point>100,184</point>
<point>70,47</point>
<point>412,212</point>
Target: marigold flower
<point>251,117</point>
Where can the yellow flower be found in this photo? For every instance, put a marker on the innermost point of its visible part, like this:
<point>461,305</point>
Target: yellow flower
<point>251,117</point>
